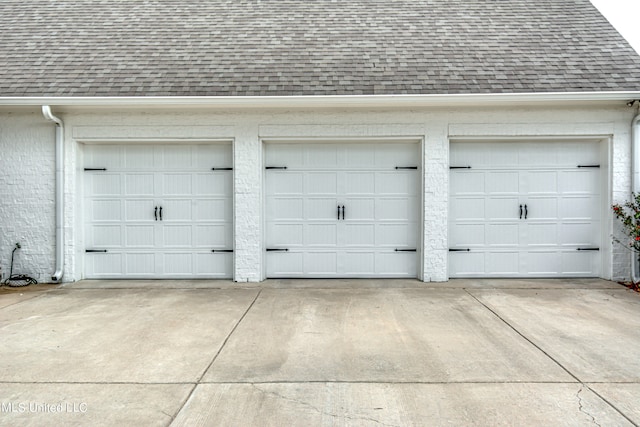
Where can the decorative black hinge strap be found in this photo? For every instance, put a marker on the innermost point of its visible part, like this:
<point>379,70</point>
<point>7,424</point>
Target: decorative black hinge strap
<point>221,169</point>
<point>276,167</point>
<point>277,250</point>
<point>405,250</point>
<point>588,166</point>
<point>459,167</point>
<point>95,169</point>
<point>95,250</point>
<point>459,250</point>
<point>588,249</point>
<point>406,167</point>
<point>221,250</point>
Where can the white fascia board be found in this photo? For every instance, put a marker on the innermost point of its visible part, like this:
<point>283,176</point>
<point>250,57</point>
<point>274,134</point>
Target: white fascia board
<point>324,101</point>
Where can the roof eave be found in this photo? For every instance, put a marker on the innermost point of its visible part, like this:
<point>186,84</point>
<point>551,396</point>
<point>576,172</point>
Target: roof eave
<point>323,100</point>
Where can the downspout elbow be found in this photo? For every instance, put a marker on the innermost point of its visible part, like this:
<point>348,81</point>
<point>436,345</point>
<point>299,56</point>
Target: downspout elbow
<point>59,192</point>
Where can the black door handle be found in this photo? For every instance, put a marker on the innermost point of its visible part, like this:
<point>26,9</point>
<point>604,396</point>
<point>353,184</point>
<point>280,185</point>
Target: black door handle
<point>160,213</point>
<point>520,211</point>
<point>526,212</point>
<point>155,213</point>
<point>343,212</point>
<point>338,212</point>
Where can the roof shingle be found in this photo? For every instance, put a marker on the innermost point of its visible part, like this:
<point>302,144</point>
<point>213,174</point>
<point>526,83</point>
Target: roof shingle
<point>319,47</point>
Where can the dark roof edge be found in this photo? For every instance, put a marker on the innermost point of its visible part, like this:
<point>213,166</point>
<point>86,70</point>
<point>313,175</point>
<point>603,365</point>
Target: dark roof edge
<point>323,101</point>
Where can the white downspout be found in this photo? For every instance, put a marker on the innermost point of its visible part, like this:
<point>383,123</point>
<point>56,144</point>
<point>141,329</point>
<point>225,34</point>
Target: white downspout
<point>635,177</point>
<point>46,111</point>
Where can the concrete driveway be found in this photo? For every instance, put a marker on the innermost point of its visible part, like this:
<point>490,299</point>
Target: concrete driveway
<point>338,352</point>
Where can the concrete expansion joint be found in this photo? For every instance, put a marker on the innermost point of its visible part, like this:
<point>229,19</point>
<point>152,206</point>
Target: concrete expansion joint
<point>318,410</point>
<point>581,407</point>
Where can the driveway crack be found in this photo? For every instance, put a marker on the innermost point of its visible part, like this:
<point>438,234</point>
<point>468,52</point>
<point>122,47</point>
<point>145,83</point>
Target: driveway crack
<point>318,410</point>
<point>581,407</point>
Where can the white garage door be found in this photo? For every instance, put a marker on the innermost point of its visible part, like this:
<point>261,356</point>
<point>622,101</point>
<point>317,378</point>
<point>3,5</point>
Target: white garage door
<point>158,211</point>
<point>342,210</point>
<point>527,209</point>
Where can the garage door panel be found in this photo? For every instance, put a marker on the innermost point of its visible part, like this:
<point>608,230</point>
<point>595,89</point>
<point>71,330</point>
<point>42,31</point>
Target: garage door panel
<point>139,210</point>
<point>316,209</point>
<point>209,156</point>
<point>467,235</point>
<point>213,236</point>
<point>216,265</point>
<point>105,210</point>
<point>467,209</point>
<point>571,154</point>
<point>286,208</point>
<point>503,263</point>
<point>319,183</point>
<point>177,236</point>
<point>139,184</point>
<point>139,236</point>
<point>288,235</point>
<point>544,263</point>
<point>177,264</point>
<point>285,183</point>
<point>501,208</point>
<point>215,184</point>
<point>468,183</point>
<point>361,183</point>
<point>396,209</point>
<point>360,209</point>
<point>104,156</point>
<point>542,208</point>
<point>104,184</point>
<point>388,156</point>
<point>323,156</point>
<point>499,183</point>
<point>397,183</point>
<point>580,263</point>
<point>105,264</point>
<point>320,235</point>
<point>360,235</point>
<point>320,263</point>
<point>503,156</point>
<point>213,209</point>
<point>396,264</point>
<point>498,234</point>
<point>359,156</point>
<point>580,181</point>
<point>579,208</point>
<point>285,264</point>
<point>541,234</point>
<point>361,263</point>
<point>107,236</point>
<point>395,236</point>
<point>176,211</point>
<point>177,157</point>
<point>177,184</point>
<point>140,263</point>
<point>542,182</point>
<point>139,157</point>
<point>467,263</point>
<point>536,154</point>
<point>579,234</point>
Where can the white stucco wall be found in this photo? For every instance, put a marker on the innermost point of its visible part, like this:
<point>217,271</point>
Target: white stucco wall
<point>248,129</point>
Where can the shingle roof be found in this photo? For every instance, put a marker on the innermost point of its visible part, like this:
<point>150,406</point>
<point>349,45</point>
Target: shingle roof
<point>313,47</point>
